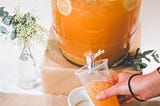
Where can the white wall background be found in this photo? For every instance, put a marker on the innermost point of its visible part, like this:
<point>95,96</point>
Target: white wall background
<point>150,21</point>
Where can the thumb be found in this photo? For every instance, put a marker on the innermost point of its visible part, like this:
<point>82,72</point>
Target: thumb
<point>112,91</point>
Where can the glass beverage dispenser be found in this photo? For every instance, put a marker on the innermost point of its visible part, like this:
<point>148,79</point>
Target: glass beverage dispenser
<point>90,25</point>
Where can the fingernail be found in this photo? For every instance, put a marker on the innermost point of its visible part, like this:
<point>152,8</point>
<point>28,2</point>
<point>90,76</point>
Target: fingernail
<point>98,97</point>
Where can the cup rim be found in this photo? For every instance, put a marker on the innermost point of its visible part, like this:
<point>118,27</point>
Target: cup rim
<point>78,72</point>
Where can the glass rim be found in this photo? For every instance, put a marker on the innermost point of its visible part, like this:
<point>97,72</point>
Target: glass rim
<point>54,2</point>
<point>80,72</point>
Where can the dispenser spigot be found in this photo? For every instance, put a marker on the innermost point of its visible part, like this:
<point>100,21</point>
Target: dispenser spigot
<point>90,57</point>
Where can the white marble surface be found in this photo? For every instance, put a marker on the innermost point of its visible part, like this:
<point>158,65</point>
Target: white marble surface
<point>150,22</point>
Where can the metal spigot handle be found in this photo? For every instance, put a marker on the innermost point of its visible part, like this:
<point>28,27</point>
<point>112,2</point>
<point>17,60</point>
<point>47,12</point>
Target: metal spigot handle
<point>100,51</point>
<point>90,58</point>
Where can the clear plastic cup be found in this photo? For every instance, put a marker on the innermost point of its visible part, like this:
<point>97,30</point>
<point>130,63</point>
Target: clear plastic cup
<point>95,80</point>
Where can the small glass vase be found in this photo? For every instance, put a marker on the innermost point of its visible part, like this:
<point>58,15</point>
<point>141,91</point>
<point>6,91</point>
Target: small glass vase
<point>27,71</point>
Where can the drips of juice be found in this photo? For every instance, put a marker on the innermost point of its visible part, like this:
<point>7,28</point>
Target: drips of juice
<point>94,87</point>
<point>90,25</point>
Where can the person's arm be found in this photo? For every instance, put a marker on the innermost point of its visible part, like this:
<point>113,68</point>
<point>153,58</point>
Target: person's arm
<point>144,87</point>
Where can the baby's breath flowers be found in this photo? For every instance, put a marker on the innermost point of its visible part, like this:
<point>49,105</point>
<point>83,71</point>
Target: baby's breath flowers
<point>25,29</point>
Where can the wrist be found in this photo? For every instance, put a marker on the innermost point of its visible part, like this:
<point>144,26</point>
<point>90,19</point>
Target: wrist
<point>130,88</point>
<point>146,86</point>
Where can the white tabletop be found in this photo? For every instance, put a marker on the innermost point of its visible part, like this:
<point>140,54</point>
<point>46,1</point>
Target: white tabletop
<point>149,18</point>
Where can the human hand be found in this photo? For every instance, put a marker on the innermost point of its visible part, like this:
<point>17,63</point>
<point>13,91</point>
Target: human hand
<point>120,87</point>
<point>141,85</point>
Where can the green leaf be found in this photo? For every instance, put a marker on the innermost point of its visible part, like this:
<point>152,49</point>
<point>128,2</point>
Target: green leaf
<point>136,67</point>
<point>137,62</point>
<point>7,20</point>
<point>140,56</point>
<point>143,65</point>
<point>148,52</point>
<point>147,59</point>
<point>155,58</point>
<point>157,55</point>
<point>5,13</point>
<point>1,11</point>
<point>137,52</point>
<point>3,30</point>
<point>13,36</point>
<point>1,8</point>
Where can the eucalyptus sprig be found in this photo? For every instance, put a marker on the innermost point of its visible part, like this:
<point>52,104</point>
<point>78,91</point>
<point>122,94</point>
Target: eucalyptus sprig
<point>24,27</point>
<point>5,19</point>
<point>136,62</point>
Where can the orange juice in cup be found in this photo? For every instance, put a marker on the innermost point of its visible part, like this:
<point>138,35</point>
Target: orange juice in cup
<point>89,25</point>
<point>95,80</point>
<point>94,87</point>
